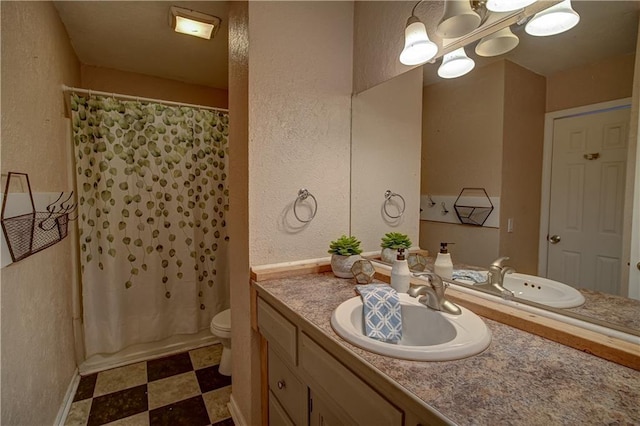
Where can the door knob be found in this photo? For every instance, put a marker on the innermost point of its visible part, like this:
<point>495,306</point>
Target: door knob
<point>554,239</point>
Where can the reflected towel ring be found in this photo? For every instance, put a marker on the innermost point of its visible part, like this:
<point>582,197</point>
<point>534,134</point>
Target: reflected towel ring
<point>388,195</point>
<point>303,194</point>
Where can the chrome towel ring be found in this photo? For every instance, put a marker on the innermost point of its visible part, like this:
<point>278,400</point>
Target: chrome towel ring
<point>388,196</point>
<point>303,194</point>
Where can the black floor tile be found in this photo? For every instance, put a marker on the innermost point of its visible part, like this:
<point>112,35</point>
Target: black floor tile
<point>169,366</point>
<point>209,379</point>
<point>225,422</point>
<point>85,387</point>
<point>118,405</point>
<point>190,412</point>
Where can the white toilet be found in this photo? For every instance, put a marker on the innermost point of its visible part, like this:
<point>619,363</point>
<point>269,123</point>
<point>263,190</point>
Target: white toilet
<point>221,328</point>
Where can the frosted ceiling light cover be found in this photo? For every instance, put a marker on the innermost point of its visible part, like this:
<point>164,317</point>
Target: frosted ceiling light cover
<point>497,43</point>
<point>455,64</point>
<point>194,23</point>
<point>417,46</point>
<point>508,5</point>
<point>554,20</point>
<point>458,19</point>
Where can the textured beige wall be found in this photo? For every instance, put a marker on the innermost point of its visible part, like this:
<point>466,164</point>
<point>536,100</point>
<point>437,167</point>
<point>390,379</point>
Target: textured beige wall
<point>385,155</point>
<point>523,137</point>
<point>300,74</point>
<point>246,365</point>
<point>606,80</point>
<point>129,83</point>
<point>37,337</point>
<point>462,133</point>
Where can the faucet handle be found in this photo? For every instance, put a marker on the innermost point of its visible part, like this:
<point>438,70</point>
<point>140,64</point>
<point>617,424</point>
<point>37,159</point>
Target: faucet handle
<point>500,261</point>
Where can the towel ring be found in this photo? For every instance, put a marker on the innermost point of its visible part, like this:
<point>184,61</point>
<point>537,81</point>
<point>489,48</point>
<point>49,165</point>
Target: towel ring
<point>388,195</point>
<point>303,194</point>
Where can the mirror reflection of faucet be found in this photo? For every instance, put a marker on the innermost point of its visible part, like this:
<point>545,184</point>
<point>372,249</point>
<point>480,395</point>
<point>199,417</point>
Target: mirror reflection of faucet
<point>495,277</point>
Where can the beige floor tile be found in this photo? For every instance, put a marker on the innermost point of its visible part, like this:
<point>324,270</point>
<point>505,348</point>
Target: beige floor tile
<point>78,413</point>
<point>141,419</point>
<point>172,389</point>
<point>216,403</point>
<point>121,378</point>
<point>205,357</point>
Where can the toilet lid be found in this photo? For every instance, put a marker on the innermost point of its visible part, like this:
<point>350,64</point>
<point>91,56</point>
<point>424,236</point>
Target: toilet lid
<point>222,320</point>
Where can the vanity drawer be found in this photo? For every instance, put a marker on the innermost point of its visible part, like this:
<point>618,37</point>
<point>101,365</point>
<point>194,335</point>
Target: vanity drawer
<point>353,395</point>
<point>278,330</point>
<point>277,415</point>
<point>286,387</point>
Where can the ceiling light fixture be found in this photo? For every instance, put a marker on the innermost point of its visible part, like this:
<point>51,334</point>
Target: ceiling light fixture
<point>455,64</point>
<point>418,48</point>
<point>498,43</point>
<point>194,23</point>
<point>508,5</point>
<point>458,19</point>
<point>554,20</point>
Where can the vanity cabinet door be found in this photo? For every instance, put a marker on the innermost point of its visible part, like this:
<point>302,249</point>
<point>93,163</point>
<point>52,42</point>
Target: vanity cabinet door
<point>277,414</point>
<point>279,331</point>
<point>347,391</point>
<point>322,413</point>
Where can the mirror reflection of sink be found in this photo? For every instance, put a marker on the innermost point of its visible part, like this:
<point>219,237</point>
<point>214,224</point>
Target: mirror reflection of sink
<point>427,335</point>
<point>543,291</point>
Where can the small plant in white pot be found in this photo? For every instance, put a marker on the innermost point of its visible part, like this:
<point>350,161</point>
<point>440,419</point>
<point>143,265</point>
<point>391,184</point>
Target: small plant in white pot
<point>390,244</point>
<point>344,252</point>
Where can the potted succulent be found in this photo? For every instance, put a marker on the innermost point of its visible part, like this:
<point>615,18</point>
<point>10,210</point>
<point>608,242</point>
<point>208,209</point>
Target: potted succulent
<point>344,252</point>
<point>390,244</point>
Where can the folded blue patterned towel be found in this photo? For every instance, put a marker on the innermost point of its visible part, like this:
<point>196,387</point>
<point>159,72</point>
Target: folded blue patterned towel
<point>469,275</point>
<point>382,312</point>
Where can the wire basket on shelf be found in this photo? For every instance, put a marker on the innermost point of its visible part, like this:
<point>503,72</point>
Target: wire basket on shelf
<point>473,206</point>
<point>29,233</point>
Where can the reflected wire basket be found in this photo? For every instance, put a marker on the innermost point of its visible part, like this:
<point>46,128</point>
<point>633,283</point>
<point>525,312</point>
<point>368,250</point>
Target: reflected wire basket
<point>473,206</point>
<point>32,232</point>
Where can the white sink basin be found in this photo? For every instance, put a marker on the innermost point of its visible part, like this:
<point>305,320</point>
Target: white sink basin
<point>543,291</point>
<point>427,335</point>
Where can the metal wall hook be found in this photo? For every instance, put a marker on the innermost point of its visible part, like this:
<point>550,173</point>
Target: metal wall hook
<point>431,202</point>
<point>444,208</point>
<point>303,194</point>
<point>388,196</point>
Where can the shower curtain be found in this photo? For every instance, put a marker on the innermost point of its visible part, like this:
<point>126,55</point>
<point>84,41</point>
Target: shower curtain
<point>152,199</point>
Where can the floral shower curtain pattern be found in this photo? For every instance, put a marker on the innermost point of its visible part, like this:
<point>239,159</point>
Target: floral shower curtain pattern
<point>153,199</point>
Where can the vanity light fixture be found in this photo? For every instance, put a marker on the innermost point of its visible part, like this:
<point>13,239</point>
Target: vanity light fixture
<point>458,19</point>
<point>498,43</point>
<point>455,64</point>
<point>508,5</point>
<point>194,23</point>
<point>418,48</point>
<point>554,20</point>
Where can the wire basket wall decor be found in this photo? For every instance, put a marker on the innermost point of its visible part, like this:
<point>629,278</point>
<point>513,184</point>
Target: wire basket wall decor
<point>473,206</point>
<point>29,233</point>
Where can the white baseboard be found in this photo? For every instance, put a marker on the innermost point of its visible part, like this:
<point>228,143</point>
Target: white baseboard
<point>68,399</point>
<point>236,415</point>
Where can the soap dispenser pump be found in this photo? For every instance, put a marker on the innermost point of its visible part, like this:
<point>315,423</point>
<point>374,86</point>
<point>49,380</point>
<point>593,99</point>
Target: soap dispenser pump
<point>443,265</point>
<point>400,274</point>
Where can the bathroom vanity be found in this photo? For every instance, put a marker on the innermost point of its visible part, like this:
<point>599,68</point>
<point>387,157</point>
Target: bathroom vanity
<point>312,376</point>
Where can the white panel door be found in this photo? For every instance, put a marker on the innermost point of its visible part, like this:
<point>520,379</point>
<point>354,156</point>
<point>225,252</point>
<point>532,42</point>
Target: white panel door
<point>587,199</point>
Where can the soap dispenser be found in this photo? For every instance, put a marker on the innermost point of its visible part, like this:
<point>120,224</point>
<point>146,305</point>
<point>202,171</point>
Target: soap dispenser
<point>400,274</point>
<point>443,265</point>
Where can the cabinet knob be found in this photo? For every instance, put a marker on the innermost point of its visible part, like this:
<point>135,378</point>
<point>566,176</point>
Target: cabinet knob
<point>281,384</point>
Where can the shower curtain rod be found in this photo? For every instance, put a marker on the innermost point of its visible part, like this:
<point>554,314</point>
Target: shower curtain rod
<point>68,89</point>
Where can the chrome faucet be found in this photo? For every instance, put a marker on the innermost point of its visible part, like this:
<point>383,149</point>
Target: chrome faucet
<point>433,294</point>
<point>495,277</point>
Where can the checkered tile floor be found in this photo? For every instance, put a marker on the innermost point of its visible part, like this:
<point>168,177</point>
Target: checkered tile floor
<point>182,389</point>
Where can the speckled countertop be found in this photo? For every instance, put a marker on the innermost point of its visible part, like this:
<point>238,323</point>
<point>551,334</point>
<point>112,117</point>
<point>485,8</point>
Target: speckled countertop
<point>520,379</point>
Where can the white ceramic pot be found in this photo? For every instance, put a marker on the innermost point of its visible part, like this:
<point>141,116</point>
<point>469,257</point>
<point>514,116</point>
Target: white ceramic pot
<point>341,265</point>
<point>389,255</point>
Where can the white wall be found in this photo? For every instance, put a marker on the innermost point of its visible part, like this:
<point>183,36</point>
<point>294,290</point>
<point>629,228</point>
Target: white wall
<point>300,74</point>
<point>37,335</point>
<point>385,155</point>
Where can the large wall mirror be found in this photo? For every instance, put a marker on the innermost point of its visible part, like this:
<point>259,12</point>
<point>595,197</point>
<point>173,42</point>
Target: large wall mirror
<point>487,129</point>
